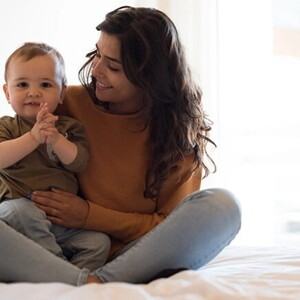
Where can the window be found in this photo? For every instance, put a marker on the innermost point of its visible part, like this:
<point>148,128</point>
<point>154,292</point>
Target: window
<point>258,124</point>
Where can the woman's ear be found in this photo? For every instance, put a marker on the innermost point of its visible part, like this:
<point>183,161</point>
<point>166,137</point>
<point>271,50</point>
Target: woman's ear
<point>6,92</point>
<point>63,94</point>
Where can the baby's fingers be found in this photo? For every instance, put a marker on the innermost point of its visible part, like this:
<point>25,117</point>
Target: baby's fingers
<point>49,118</point>
<point>40,115</point>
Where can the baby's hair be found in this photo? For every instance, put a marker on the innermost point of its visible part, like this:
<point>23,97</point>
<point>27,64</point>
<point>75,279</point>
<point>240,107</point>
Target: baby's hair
<point>30,50</point>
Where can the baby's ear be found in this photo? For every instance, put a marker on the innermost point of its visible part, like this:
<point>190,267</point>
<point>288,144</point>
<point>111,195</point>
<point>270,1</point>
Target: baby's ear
<point>63,94</point>
<point>6,92</point>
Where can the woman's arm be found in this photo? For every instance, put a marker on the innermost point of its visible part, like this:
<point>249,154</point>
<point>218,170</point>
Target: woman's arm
<point>128,226</point>
<point>62,208</point>
<point>72,211</point>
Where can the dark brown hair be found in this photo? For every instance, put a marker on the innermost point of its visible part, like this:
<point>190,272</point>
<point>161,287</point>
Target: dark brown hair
<point>154,60</point>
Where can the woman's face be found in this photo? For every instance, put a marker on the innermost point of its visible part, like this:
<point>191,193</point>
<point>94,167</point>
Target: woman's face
<point>112,86</point>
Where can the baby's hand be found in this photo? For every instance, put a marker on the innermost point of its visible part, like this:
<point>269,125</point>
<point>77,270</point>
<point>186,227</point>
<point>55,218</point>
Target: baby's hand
<point>36,131</point>
<point>44,130</point>
<point>44,116</point>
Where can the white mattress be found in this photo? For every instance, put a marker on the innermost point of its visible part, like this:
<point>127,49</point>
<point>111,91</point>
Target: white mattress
<point>256,273</point>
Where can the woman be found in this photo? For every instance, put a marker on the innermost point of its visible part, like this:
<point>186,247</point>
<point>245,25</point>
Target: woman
<point>148,135</point>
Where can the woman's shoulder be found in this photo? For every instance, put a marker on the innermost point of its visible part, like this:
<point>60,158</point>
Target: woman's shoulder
<point>75,98</point>
<point>76,91</point>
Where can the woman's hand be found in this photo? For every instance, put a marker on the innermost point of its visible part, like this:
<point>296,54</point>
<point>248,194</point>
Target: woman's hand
<point>62,208</point>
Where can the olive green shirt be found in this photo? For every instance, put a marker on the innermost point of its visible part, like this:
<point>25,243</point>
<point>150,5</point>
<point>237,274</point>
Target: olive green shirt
<point>41,169</point>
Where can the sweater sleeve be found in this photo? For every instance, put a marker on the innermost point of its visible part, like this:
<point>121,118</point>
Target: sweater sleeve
<point>126,226</point>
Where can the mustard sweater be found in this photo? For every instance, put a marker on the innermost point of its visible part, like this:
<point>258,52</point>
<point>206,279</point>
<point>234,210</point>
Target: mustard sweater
<point>114,180</point>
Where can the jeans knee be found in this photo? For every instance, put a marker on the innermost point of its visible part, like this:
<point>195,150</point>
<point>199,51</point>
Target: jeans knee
<point>99,246</point>
<point>8,211</point>
<point>220,203</point>
<point>228,199</point>
<point>19,212</point>
<point>229,205</point>
<point>90,241</point>
<point>102,242</point>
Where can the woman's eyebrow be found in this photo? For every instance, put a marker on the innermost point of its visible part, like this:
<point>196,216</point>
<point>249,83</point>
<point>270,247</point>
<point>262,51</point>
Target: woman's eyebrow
<point>109,58</point>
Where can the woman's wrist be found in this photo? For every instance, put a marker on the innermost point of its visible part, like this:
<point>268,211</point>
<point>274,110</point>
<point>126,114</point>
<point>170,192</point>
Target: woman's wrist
<point>87,213</point>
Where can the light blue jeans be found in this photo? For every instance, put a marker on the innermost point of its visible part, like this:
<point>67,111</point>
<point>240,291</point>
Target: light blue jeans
<point>83,248</point>
<point>192,235</point>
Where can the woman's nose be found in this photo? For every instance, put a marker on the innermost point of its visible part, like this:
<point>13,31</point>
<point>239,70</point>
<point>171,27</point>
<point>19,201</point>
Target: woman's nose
<point>97,67</point>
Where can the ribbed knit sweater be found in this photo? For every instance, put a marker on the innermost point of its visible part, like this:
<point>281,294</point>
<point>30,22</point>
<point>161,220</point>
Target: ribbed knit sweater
<point>114,180</point>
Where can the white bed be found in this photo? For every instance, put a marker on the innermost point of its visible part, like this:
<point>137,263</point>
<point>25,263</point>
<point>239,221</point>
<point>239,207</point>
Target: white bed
<point>256,273</point>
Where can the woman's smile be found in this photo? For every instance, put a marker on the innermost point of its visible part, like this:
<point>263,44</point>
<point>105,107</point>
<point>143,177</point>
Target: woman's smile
<point>102,86</point>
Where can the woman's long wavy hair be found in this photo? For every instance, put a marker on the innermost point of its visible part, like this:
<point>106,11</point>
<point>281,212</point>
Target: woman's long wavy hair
<point>153,59</point>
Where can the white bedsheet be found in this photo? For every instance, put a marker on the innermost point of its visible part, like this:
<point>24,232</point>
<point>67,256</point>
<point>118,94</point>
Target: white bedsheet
<point>256,273</point>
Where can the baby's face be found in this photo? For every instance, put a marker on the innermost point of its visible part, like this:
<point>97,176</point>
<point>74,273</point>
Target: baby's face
<point>30,83</point>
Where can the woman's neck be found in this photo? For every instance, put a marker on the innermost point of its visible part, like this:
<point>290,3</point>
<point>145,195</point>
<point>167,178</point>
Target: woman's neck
<point>117,108</point>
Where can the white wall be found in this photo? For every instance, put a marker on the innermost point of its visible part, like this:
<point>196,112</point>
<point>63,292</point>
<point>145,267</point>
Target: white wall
<point>67,25</point>
<point>70,27</point>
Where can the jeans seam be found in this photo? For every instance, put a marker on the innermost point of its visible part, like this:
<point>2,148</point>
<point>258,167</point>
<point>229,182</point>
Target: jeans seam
<point>82,278</point>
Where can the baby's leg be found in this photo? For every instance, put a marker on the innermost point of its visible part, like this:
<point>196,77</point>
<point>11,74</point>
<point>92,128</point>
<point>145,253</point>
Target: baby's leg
<point>83,248</point>
<point>23,260</point>
<point>22,215</point>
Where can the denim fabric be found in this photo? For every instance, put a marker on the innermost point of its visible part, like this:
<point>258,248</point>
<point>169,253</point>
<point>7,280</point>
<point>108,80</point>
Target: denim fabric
<point>83,248</point>
<point>23,260</point>
<point>193,234</point>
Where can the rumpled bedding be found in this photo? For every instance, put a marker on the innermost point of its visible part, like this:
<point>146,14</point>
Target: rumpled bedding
<point>239,272</point>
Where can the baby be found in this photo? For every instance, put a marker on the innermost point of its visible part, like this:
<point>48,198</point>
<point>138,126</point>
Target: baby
<point>42,151</point>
